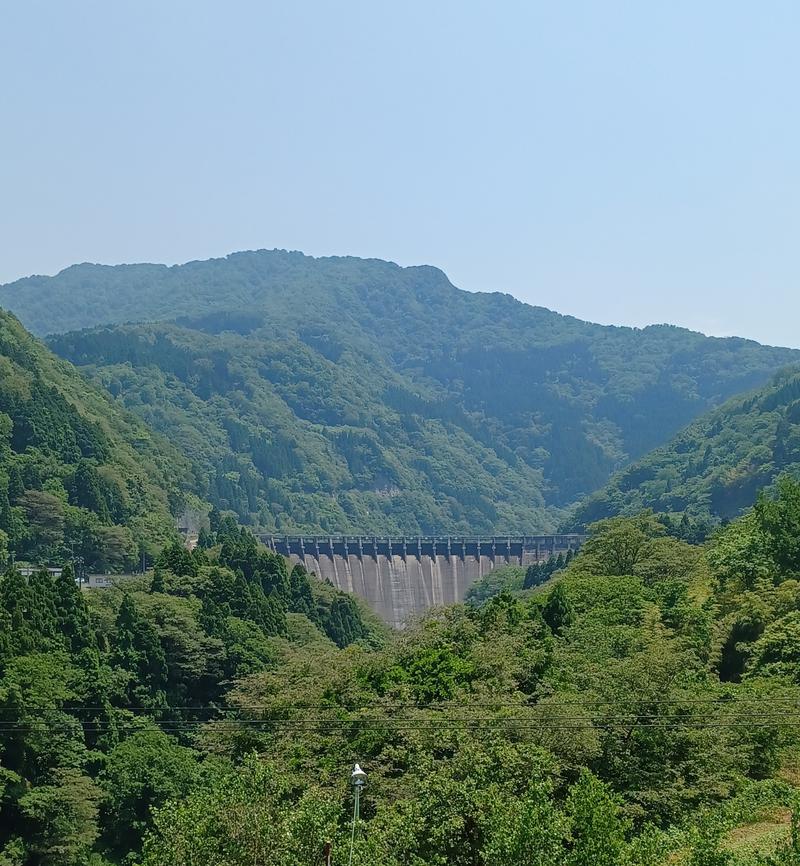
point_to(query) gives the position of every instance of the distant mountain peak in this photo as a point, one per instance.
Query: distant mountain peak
(300, 386)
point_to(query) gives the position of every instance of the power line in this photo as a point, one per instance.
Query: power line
(718, 701)
(551, 723)
(430, 719)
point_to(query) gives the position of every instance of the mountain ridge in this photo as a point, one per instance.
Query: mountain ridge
(713, 468)
(39, 281)
(346, 394)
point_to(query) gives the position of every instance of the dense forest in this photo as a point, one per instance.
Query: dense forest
(638, 707)
(635, 704)
(354, 395)
(292, 441)
(712, 470)
(78, 475)
(102, 692)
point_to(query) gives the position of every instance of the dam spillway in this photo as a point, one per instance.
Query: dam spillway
(403, 577)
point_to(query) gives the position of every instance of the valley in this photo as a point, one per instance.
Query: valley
(399, 434)
(539, 578)
(320, 395)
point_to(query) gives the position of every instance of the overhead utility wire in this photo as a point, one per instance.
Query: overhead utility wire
(424, 723)
(542, 702)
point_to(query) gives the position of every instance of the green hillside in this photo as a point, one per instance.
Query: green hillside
(714, 468)
(84, 674)
(345, 394)
(78, 475)
(291, 440)
(640, 710)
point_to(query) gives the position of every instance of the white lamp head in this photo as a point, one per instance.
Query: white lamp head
(359, 777)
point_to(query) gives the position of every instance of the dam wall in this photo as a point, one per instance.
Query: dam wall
(402, 577)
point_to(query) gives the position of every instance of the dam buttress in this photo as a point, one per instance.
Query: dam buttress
(402, 577)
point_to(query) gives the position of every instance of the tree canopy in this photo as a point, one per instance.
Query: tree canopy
(78, 475)
(713, 470)
(349, 395)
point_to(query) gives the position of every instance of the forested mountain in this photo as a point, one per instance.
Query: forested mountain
(355, 395)
(291, 440)
(77, 473)
(640, 711)
(713, 469)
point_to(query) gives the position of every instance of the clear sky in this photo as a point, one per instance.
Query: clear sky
(625, 162)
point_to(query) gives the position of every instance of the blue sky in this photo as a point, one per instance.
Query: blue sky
(625, 162)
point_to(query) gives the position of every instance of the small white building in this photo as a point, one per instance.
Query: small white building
(28, 570)
(104, 581)
(97, 581)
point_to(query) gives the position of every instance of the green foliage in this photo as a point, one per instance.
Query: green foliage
(778, 517)
(61, 819)
(597, 829)
(302, 599)
(789, 853)
(138, 651)
(714, 469)
(617, 545)
(72, 616)
(540, 572)
(741, 554)
(492, 738)
(525, 831)
(753, 560)
(240, 818)
(507, 578)
(143, 772)
(557, 611)
(78, 476)
(100, 690)
(342, 621)
(433, 674)
(349, 412)
(177, 559)
(638, 711)
(777, 651)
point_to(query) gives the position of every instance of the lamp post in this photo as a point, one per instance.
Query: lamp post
(358, 779)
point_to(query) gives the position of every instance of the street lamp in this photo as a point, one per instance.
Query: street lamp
(358, 778)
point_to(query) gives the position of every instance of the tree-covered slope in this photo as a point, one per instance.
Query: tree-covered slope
(291, 440)
(85, 674)
(714, 468)
(77, 473)
(356, 395)
(640, 710)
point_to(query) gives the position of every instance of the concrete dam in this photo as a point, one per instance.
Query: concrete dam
(402, 577)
